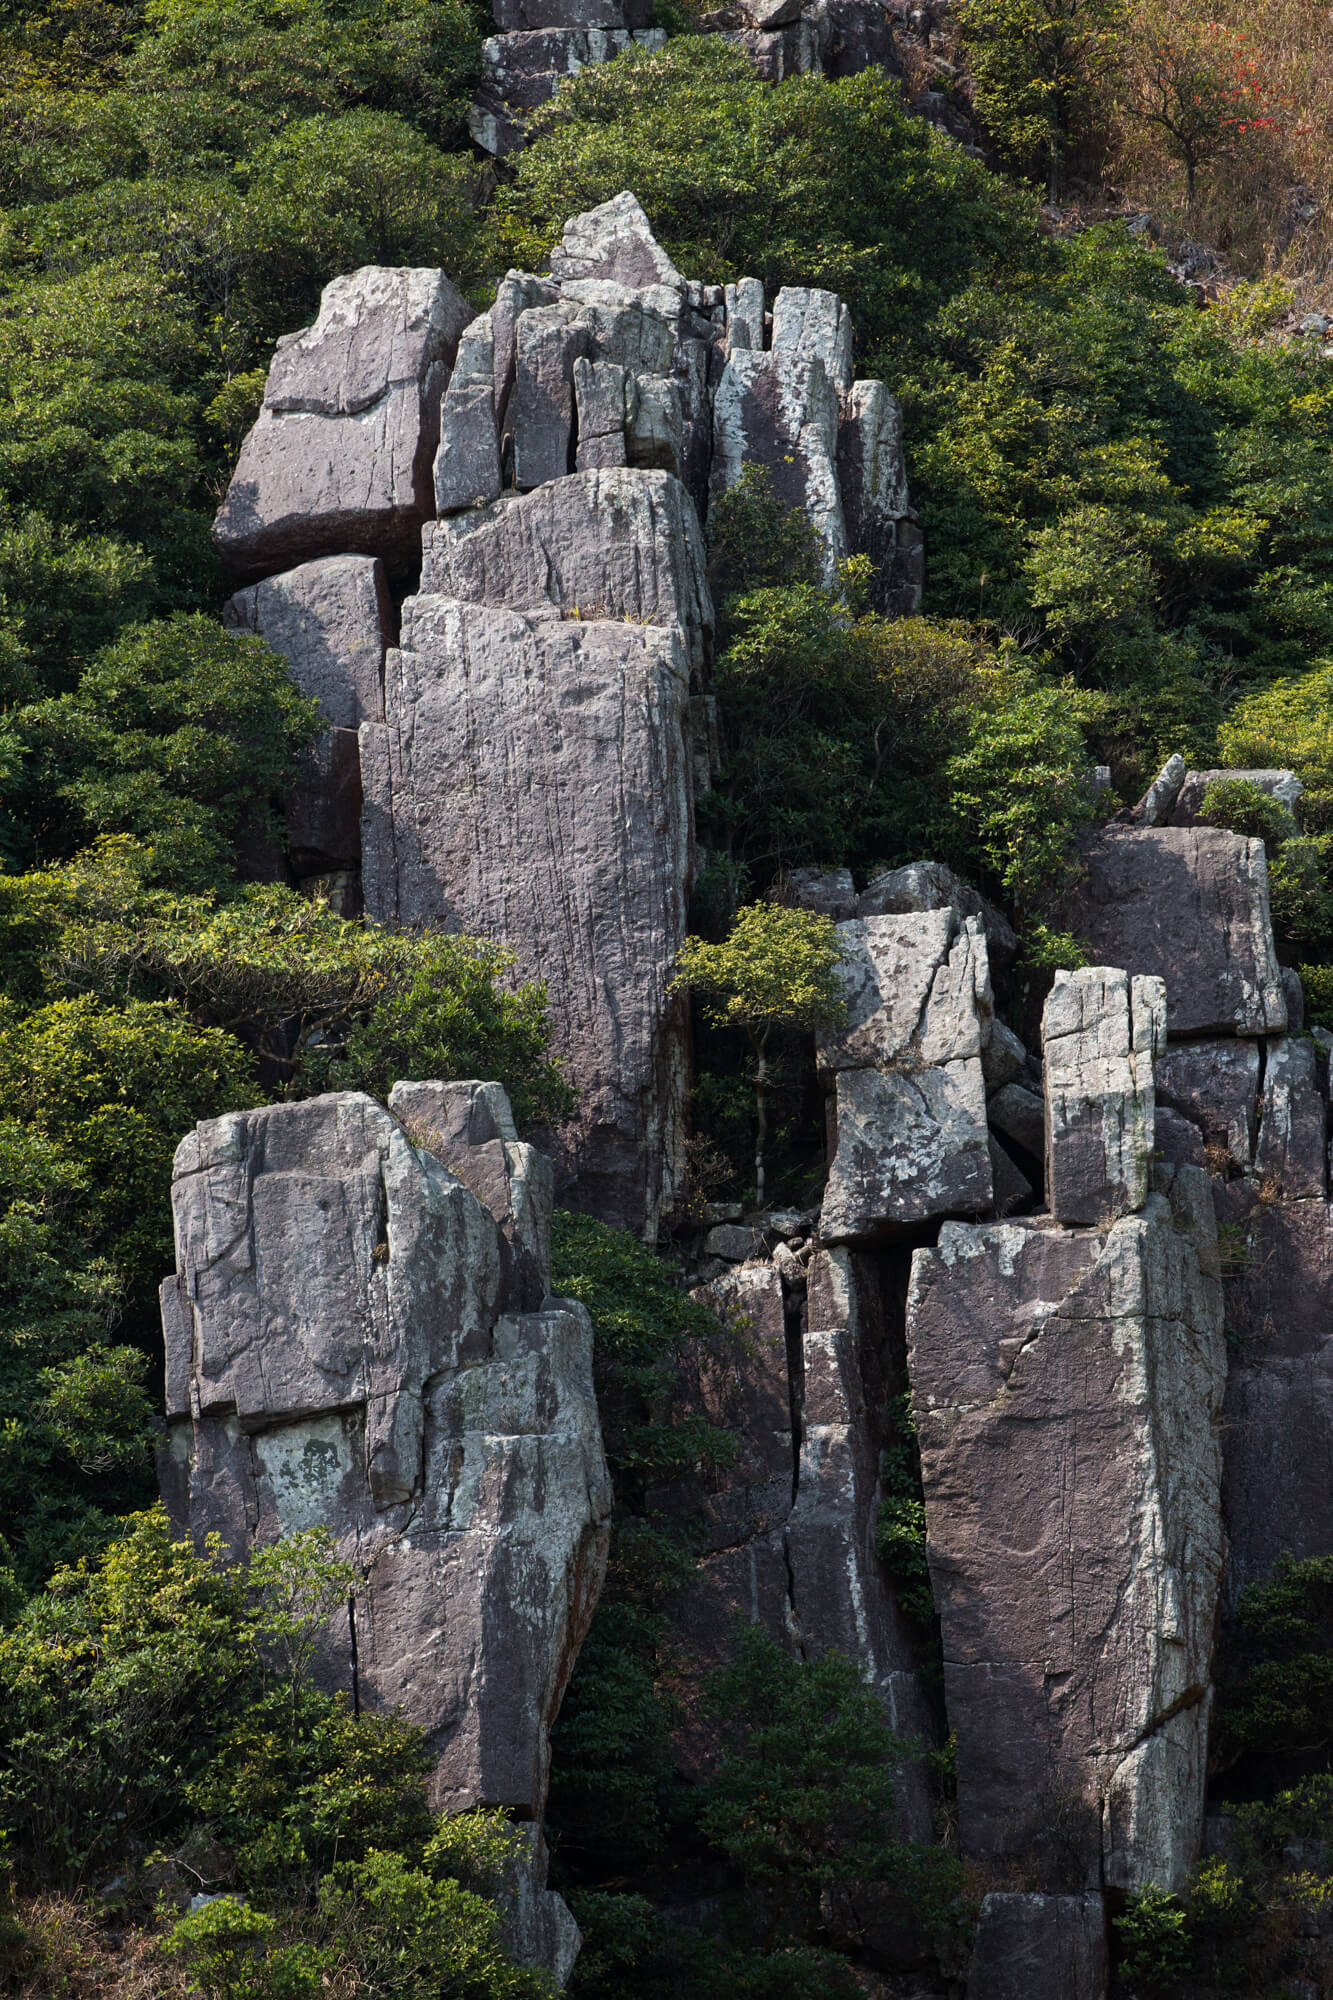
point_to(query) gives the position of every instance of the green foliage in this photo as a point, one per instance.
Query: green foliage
(180, 734)
(640, 1316)
(755, 542)
(777, 968)
(1239, 803)
(1288, 724)
(1278, 1697)
(227, 1951)
(900, 1534)
(1033, 66)
(1154, 1946)
(406, 1935)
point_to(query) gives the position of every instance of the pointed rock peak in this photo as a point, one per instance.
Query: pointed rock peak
(616, 242)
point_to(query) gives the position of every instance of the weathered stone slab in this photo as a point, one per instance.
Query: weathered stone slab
(615, 242)
(1033, 1947)
(1100, 1033)
(910, 1144)
(918, 992)
(613, 544)
(337, 1355)
(829, 891)
(340, 458)
(331, 621)
(931, 885)
(744, 308)
(530, 785)
(1067, 1389)
(811, 325)
(467, 464)
(1189, 904)
(525, 69)
(1292, 1150)
(1278, 1433)
(1021, 1115)
(1215, 1085)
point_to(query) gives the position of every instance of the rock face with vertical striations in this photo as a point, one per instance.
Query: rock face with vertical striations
(343, 1349)
(1067, 1386)
(340, 459)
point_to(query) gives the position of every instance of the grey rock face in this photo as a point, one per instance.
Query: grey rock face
(910, 1111)
(1021, 1115)
(1189, 904)
(917, 988)
(780, 410)
(1278, 1438)
(524, 69)
(496, 805)
(614, 242)
(1215, 1085)
(829, 891)
(331, 621)
(909, 1146)
(1100, 1032)
(788, 1527)
(1033, 1947)
(872, 474)
(1067, 1387)
(338, 1353)
(1154, 808)
(1292, 1152)
(930, 885)
(340, 458)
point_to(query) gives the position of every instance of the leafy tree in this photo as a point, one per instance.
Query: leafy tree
(406, 1935)
(1200, 83)
(777, 969)
(228, 1951)
(180, 733)
(1034, 66)
(299, 1582)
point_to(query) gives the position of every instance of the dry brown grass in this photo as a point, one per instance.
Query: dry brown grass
(1268, 206)
(66, 1954)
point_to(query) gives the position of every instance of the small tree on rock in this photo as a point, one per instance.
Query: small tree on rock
(776, 968)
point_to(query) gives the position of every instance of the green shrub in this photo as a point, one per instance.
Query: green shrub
(409, 1937)
(227, 1950)
(1155, 1952)
(1238, 803)
(900, 1535)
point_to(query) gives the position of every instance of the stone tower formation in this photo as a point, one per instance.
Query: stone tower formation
(477, 540)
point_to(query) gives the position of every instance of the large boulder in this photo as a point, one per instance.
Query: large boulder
(1190, 905)
(523, 69)
(340, 459)
(331, 621)
(338, 1354)
(530, 785)
(1034, 1947)
(1215, 1084)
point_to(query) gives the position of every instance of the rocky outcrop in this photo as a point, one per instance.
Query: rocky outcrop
(1067, 1386)
(523, 70)
(1189, 905)
(909, 1100)
(340, 459)
(349, 1343)
(528, 752)
(1034, 1947)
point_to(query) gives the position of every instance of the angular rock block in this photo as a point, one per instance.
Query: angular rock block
(1278, 1435)
(829, 891)
(340, 458)
(1033, 1947)
(467, 464)
(337, 1354)
(470, 1126)
(1100, 1033)
(917, 990)
(814, 325)
(612, 544)
(1190, 905)
(1067, 1388)
(530, 785)
(1216, 1086)
(331, 620)
(873, 477)
(910, 1144)
(930, 885)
